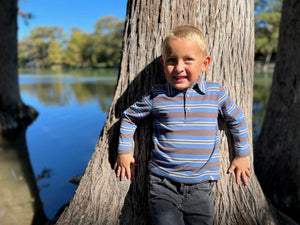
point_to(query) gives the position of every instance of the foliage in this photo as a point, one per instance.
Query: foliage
(79, 50)
(108, 37)
(34, 49)
(50, 47)
(267, 20)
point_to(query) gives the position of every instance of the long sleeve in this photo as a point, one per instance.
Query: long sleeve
(130, 118)
(236, 121)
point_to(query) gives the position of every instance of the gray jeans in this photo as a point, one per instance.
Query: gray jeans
(180, 204)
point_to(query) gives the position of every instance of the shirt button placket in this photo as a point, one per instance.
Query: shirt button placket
(188, 108)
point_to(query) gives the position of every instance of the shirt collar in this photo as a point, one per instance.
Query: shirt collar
(200, 84)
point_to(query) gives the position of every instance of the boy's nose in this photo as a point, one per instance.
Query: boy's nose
(179, 67)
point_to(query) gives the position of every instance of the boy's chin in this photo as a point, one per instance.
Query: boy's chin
(181, 87)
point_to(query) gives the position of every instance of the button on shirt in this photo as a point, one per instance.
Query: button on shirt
(185, 130)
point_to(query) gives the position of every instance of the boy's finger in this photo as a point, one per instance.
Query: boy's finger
(238, 177)
(244, 179)
(118, 171)
(231, 169)
(122, 174)
(128, 173)
(248, 174)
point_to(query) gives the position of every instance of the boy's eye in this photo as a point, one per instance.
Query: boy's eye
(171, 60)
(189, 59)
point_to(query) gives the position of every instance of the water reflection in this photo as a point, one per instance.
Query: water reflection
(20, 202)
(52, 89)
(35, 175)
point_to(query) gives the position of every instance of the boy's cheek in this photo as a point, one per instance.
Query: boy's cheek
(168, 70)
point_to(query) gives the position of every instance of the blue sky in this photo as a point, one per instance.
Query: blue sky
(82, 14)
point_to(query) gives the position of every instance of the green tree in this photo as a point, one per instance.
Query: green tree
(108, 40)
(267, 19)
(48, 46)
(79, 50)
(34, 48)
(55, 54)
(24, 56)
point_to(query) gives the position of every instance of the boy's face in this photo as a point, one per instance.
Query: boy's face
(183, 62)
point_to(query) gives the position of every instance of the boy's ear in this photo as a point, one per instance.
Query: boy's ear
(205, 63)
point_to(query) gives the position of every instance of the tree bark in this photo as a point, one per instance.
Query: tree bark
(229, 27)
(277, 149)
(12, 110)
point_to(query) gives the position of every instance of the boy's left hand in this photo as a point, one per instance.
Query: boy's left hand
(241, 168)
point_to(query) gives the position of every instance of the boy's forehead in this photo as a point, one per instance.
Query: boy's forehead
(174, 44)
(189, 46)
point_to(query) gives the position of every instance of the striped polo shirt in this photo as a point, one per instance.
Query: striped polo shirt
(185, 130)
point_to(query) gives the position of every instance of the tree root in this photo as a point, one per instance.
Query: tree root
(14, 119)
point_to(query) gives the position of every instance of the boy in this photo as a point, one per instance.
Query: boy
(185, 158)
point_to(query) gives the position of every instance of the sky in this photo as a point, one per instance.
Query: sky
(82, 14)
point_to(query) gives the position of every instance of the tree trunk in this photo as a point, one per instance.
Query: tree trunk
(12, 110)
(277, 154)
(229, 27)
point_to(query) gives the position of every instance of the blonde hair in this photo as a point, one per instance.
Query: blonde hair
(186, 32)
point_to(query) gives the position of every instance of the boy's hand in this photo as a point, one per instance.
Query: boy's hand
(241, 168)
(122, 166)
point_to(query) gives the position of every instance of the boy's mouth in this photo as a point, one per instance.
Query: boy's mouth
(180, 79)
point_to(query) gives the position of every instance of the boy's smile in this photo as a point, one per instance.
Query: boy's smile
(183, 62)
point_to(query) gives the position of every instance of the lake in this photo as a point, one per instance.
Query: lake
(37, 164)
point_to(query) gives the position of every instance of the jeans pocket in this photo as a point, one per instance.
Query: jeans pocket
(206, 185)
(154, 179)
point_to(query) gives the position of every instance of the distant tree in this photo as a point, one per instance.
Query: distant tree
(49, 46)
(13, 112)
(24, 53)
(34, 48)
(79, 49)
(108, 40)
(55, 54)
(267, 19)
(277, 155)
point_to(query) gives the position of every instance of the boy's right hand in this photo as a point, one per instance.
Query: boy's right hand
(122, 166)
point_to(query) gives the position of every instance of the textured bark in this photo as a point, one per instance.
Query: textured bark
(12, 110)
(277, 154)
(229, 28)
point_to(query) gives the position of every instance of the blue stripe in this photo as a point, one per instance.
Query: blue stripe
(211, 92)
(183, 145)
(240, 135)
(196, 137)
(238, 129)
(161, 155)
(190, 120)
(178, 127)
